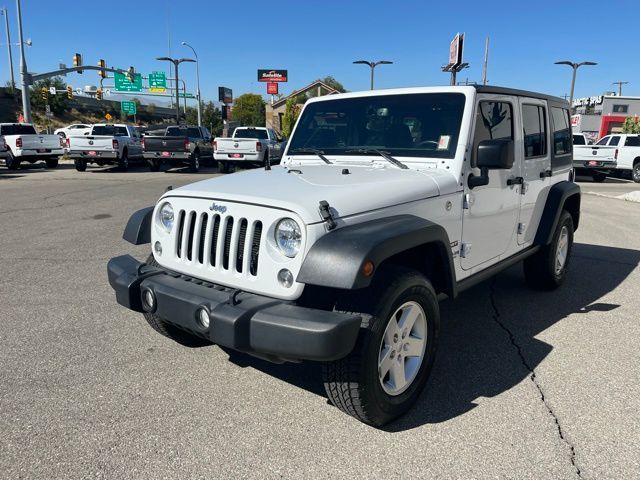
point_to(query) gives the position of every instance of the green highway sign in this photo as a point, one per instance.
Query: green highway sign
(188, 95)
(129, 107)
(157, 82)
(124, 85)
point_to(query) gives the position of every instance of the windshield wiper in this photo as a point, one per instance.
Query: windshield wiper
(382, 153)
(315, 151)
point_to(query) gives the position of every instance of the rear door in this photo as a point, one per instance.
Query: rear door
(536, 165)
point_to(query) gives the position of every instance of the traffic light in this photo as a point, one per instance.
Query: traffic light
(77, 61)
(69, 92)
(131, 74)
(102, 73)
(99, 94)
(44, 92)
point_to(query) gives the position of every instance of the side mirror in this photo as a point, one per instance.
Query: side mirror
(492, 154)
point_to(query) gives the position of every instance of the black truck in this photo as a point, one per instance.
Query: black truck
(184, 145)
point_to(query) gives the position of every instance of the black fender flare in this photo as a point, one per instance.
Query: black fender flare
(559, 195)
(138, 229)
(336, 260)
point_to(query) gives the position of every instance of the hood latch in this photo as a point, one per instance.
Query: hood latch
(325, 213)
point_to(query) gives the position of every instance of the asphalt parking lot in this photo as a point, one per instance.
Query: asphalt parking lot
(525, 384)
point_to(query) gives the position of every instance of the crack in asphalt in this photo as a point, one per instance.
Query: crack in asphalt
(533, 378)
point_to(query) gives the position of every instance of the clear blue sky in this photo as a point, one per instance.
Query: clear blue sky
(313, 39)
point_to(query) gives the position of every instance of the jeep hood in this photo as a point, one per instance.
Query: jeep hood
(300, 189)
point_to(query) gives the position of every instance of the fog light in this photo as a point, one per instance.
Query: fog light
(202, 316)
(157, 247)
(285, 277)
(148, 300)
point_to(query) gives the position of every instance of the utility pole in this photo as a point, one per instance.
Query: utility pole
(486, 61)
(24, 74)
(6, 23)
(619, 83)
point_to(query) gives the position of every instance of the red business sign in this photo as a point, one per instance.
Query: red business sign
(272, 88)
(272, 76)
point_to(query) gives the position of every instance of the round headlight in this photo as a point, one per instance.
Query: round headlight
(166, 216)
(288, 237)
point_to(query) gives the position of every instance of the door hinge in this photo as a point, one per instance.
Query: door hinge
(465, 250)
(466, 201)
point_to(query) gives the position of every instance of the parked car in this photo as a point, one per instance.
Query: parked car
(106, 144)
(249, 146)
(615, 154)
(74, 130)
(385, 201)
(26, 145)
(182, 145)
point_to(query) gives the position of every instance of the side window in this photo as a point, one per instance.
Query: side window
(494, 120)
(632, 142)
(615, 140)
(603, 140)
(561, 131)
(535, 130)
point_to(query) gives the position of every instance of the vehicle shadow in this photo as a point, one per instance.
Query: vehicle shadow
(475, 356)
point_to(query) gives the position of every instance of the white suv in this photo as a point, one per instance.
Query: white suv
(385, 202)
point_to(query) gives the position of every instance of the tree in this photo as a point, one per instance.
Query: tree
(291, 113)
(249, 109)
(631, 125)
(58, 103)
(211, 118)
(333, 83)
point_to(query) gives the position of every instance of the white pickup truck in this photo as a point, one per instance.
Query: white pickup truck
(253, 146)
(24, 144)
(106, 144)
(615, 154)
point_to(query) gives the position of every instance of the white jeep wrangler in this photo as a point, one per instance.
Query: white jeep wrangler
(385, 202)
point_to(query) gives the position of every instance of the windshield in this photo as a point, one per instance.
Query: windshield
(109, 130)
(250, 133)
(415, 125)
(18, 130)
(578, 140)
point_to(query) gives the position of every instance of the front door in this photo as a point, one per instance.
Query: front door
(535, 166)
(491, 211)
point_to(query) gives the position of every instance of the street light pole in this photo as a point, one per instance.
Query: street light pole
(24, 74)
(6, 23)
(373, 65)
(197, 80)
(176, 62)
(575, 67)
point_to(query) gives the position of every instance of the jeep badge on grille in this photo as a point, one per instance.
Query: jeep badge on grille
(217, 208)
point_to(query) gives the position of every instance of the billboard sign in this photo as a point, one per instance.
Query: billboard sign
(455, 50)
(272, 76)
(225, 95)
(272, 88)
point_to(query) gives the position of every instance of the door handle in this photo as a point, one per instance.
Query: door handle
(515, 181)
(546, 173)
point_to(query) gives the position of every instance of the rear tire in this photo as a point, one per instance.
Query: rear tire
(635, 171)
(52, 162)
(194, 166)
(168, 330)
(598, 177)
(123, 162)
(358, 383)
(547, 269)
(81, 165)
(12, 162)
(223, 167)
(154, 165)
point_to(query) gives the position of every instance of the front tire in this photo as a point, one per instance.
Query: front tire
(389, 366)
(52, 162)
(635, 172)
(547, 269)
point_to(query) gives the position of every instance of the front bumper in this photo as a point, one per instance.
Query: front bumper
(262, 326)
